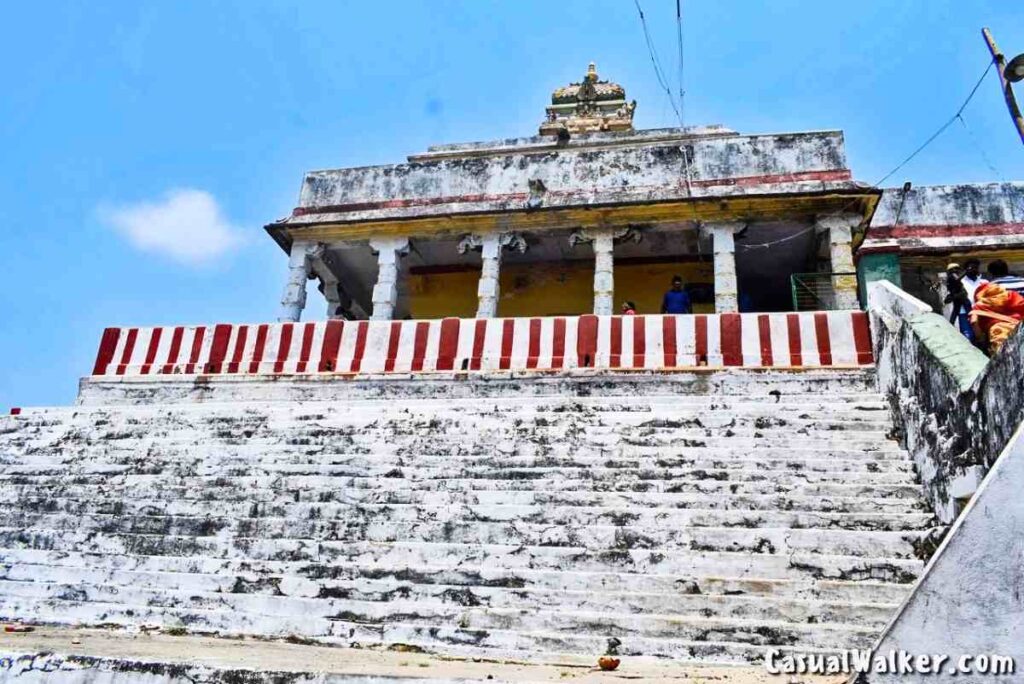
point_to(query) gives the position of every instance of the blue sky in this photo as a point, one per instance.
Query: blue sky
(216, 109)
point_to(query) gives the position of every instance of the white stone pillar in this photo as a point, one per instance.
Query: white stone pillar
(603, 240)
(293, 300)
(723, 247)
(385, 292)
(604, 273)
(491, 247)
(840, 250)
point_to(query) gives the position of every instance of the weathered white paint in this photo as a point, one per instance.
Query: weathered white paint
(293, 299)
(500, 526)
(969, 599)
(385, 291)
(723, 247)
(955, 409)
(948, 218)
(593, 168)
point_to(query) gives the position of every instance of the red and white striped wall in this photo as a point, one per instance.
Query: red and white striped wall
(767, 340)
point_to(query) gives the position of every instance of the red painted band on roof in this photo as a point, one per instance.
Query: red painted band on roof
(945, 230)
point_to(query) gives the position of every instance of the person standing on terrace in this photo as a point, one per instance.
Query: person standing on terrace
(676, 300)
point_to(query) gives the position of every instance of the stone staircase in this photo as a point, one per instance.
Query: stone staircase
(707, 524)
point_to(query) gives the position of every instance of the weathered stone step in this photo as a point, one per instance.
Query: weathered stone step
(718, 562)
(338, 476)
(480, 528)
(446, 603)
(346, 490)
(180, 501)
(492, 629)
(312, 580)
(24, 513)
(458, 641)
(483, 449)
(204, 461)
(474, 443)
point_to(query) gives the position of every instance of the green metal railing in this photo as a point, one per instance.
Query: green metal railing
(816, 291)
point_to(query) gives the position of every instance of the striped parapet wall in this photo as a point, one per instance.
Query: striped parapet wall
(767, 340)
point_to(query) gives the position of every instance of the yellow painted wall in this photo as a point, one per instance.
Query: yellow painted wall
(551, 288)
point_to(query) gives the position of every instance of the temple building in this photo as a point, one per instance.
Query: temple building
(592, 212)
(589, 212)
(475, 463)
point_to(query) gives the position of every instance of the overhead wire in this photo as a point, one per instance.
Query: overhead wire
(957, 115)
(658, 71)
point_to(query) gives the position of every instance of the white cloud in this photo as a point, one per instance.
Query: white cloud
(186, 225)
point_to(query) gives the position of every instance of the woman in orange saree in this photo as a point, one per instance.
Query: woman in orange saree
(996, 314)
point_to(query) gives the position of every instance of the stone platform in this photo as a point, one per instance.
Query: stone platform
(694, 518)
(86, 655)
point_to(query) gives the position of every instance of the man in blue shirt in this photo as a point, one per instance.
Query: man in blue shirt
(676, 301)
(999, 272)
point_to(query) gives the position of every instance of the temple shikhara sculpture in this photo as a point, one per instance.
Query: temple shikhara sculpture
(448, 444)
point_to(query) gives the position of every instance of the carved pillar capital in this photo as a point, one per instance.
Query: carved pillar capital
(491, 246)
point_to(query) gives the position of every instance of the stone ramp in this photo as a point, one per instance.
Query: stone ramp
(52, 654)
(697, 527)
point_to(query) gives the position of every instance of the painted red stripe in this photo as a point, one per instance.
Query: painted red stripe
(236, 356)
(448, 344)
(700, 342)
(732, 342)
(257, 352)
(309, 329)
(329, 348)
(108, 343)
(197, 348)
(508, 331)
(764, 330)
(283, 347)
(154, 342)
(862, 338)
(357, 354)
(218, 348)
(479, 334)
(172, 353)
(394, 337)
(558, 344)
(533, 354)
(796, 357)
(639, 341)
(129, 347)
(668, 341)
(615, 348)
(419, 345)
(586, 340)
(824, 341)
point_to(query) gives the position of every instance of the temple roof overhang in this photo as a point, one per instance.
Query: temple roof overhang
(802, 206)
(653, 176)
(944, 219)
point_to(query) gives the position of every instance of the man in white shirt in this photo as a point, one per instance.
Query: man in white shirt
(972, 279)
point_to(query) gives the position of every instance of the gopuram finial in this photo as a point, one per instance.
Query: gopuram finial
(590, 105)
